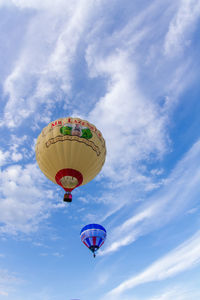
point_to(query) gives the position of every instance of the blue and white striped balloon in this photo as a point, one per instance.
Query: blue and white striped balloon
(93, 236)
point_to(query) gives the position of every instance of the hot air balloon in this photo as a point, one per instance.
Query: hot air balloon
(93, 236)
(70, 152)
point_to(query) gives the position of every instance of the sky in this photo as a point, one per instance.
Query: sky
(132, 68)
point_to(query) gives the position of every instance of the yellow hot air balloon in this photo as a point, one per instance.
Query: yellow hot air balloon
(70, 152)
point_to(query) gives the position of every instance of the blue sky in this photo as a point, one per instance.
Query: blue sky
(132, 69)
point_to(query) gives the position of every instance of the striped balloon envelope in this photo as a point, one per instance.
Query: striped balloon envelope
(93, 236)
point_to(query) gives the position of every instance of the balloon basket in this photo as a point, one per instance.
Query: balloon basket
(67, 197)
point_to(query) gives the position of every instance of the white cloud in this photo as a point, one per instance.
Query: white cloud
(37, 4)
(177, 37)
(16, 156)
(179, 191)
(4, 155)
(23, 202)
(126, 118)
(182, 258)
(42, 72)
(178, 293)
(16, 150)
(134, 123)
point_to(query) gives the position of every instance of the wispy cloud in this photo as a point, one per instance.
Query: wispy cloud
(129, 109)
(178, 191)
(178, 293)
(42, 72)
(128, 119)
(183, 23)
(41, 75)
(184, 257)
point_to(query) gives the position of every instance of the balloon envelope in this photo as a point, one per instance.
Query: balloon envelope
(70, 152)
(93, 236)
